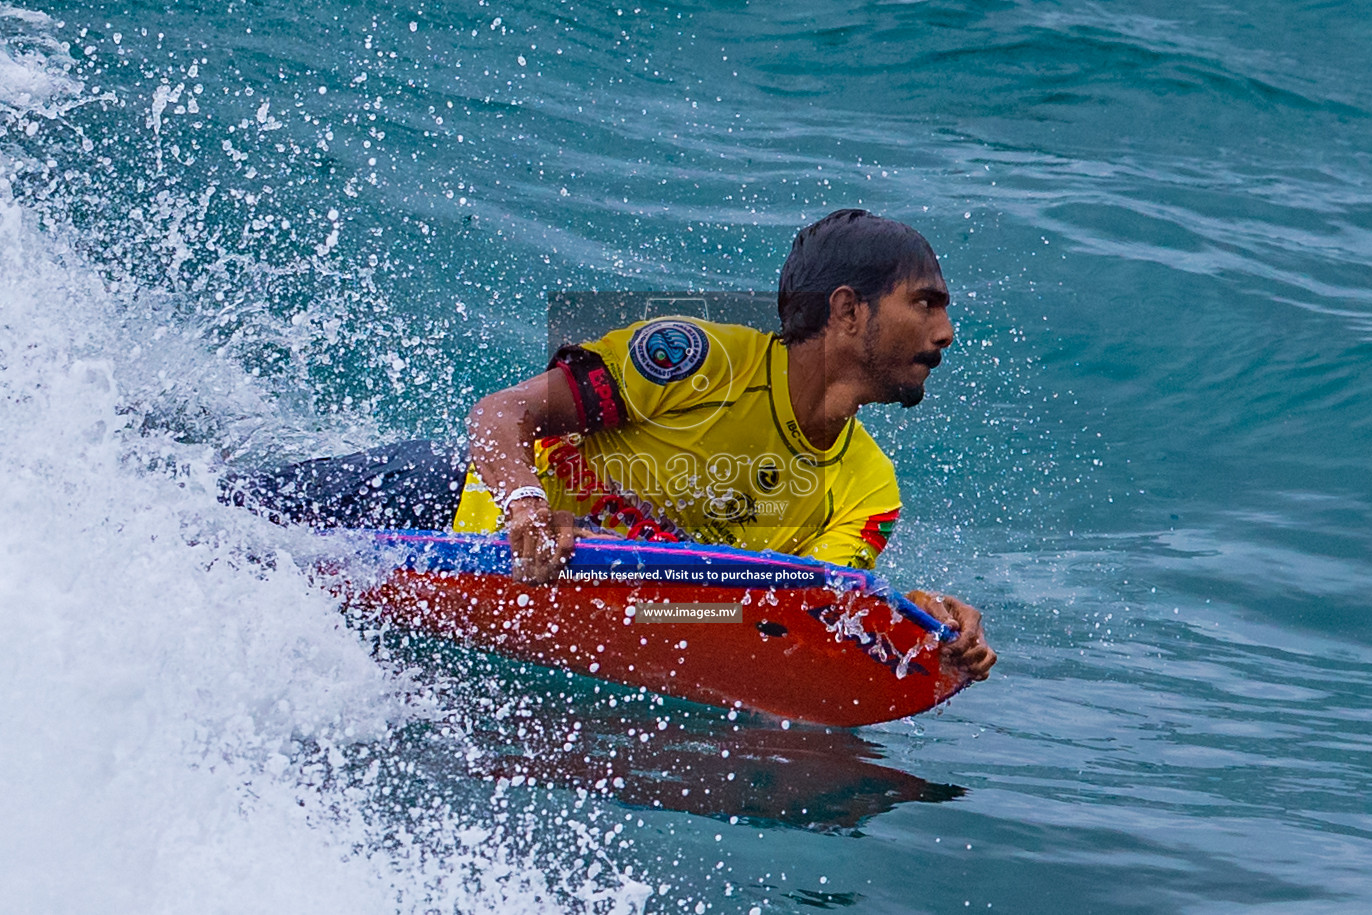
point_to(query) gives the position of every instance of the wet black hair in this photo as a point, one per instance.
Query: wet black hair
(846, 248)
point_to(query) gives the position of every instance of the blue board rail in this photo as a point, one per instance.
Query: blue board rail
(684, 563)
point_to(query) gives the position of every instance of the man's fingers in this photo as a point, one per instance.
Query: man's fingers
(566, 544)
(975, 655)
(533, 544)
(541, 542)
(933, 605)
(976, 660)
(969, 650)
(585, 533)
(529, 561)
(564, 532)
(965, 642)
(979, 664)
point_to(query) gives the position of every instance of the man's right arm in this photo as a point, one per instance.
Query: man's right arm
(503, 427)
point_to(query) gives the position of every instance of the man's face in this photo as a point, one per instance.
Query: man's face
(906, 335)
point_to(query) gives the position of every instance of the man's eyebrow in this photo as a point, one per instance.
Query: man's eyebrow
(936, 297)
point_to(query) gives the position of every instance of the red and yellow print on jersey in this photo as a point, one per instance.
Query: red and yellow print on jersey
(691, 435)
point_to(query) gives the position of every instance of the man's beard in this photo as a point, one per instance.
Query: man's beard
(907, 395)
(893, 391)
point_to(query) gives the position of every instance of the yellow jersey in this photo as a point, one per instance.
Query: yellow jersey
(691, 436)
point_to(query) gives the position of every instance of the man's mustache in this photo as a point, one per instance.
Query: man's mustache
(932, 358)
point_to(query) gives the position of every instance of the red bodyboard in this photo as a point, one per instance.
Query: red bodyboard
(837, 649)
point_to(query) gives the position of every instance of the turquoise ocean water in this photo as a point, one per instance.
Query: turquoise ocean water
(274, 230)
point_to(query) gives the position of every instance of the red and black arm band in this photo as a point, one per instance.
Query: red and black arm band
(598, 401)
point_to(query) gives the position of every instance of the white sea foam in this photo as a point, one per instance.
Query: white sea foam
(33, 77)
(155, 680)
(165, 658)
(150, 684)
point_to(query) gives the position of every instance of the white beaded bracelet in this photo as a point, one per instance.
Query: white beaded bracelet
(522, 492)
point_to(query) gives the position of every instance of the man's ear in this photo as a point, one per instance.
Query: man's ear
(846, 316)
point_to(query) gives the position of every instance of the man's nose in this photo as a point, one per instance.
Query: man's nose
(943, 331)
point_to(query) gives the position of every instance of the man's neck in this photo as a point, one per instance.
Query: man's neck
(824, 396)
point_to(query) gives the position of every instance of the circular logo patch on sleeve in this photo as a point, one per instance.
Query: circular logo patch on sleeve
(668, 350)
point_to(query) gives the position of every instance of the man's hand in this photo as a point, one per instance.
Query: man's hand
(541, 540)
(503, 428)
(969, 649)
